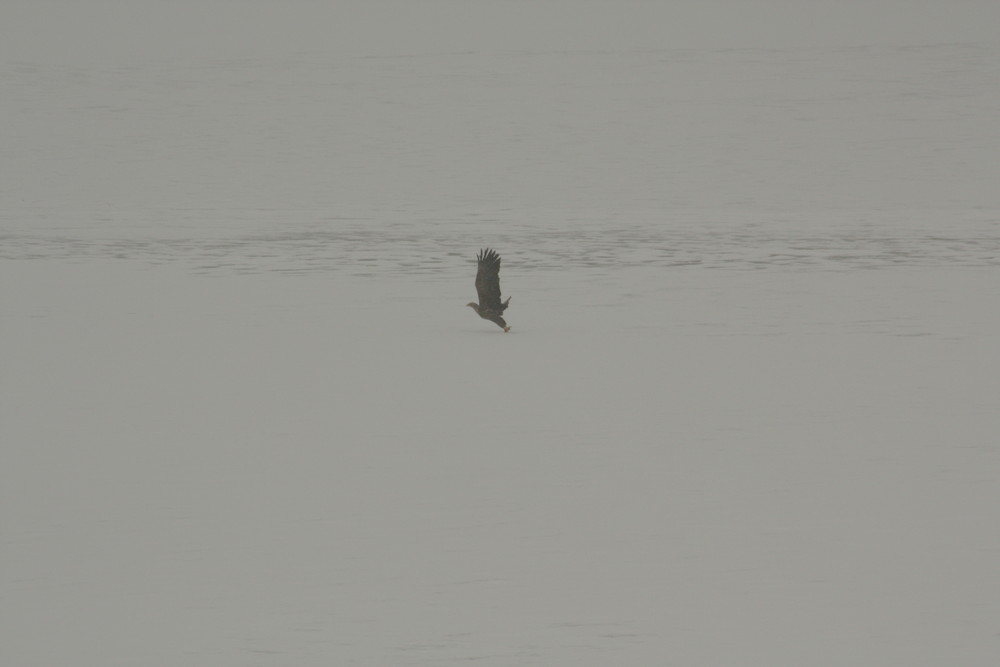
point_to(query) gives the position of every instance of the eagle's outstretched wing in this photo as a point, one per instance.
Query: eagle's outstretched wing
(488, 280)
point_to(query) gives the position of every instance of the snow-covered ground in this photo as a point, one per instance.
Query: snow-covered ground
(747, 414)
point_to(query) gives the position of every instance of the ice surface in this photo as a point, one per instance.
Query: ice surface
(747, 414)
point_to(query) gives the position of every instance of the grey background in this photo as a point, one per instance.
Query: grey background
(746, 415)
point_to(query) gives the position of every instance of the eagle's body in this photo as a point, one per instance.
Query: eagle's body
(488, 286)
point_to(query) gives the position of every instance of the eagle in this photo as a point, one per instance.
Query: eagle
(488, 286)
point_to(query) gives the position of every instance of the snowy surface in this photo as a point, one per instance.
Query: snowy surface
(747, 414)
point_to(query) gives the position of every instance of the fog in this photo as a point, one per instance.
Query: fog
(746, 413)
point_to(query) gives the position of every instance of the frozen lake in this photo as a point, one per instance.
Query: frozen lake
(747, 414)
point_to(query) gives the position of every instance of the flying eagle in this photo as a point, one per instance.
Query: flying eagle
(488, 286)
